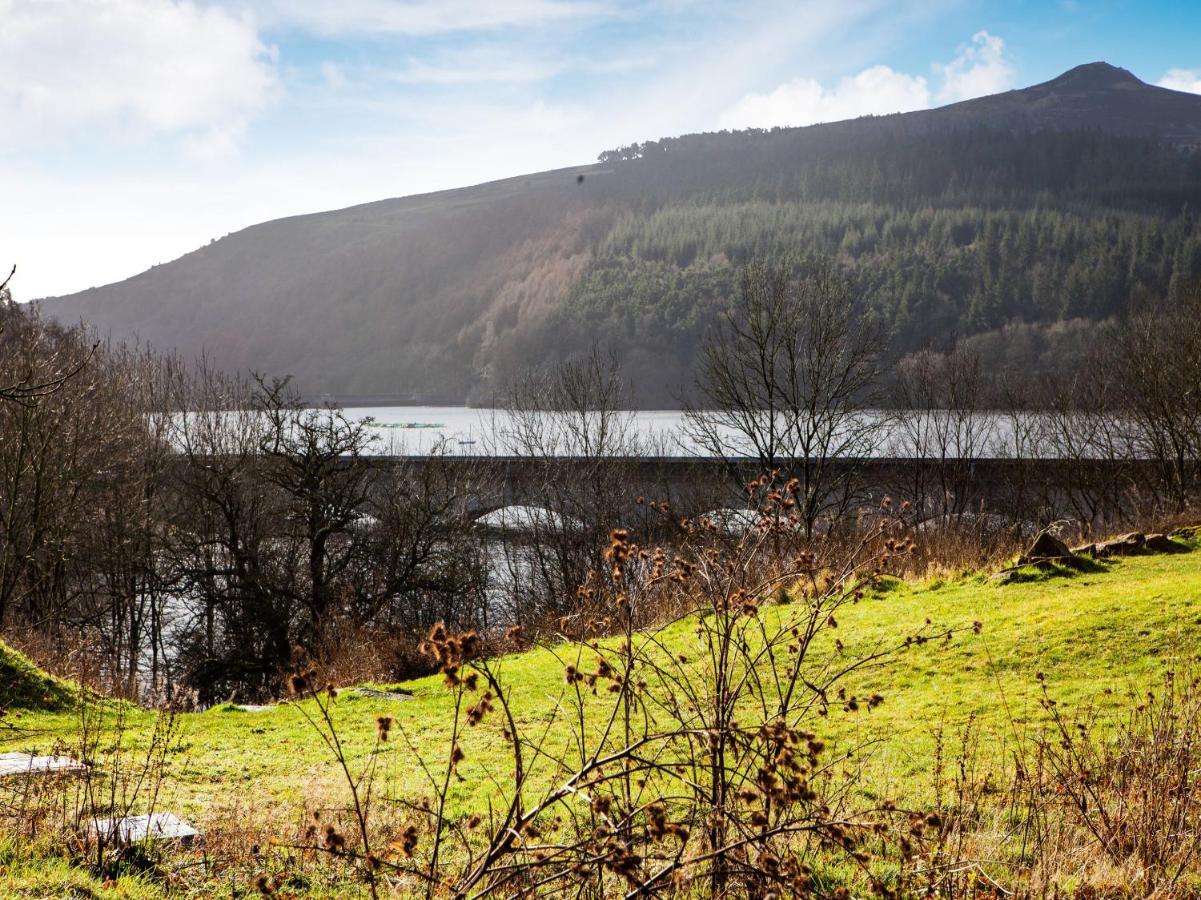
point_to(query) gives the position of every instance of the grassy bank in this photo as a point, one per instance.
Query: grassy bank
(245, 777)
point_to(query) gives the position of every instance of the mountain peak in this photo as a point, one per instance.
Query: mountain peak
(1094, 96)
(1095, 76)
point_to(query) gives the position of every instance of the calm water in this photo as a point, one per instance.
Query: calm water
(420, 430)
(458, 430)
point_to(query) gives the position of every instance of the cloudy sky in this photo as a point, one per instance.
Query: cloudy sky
(136, 130)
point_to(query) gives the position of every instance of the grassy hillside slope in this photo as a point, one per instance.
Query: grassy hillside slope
(26, 687)
(1115, 629)
(252, 778)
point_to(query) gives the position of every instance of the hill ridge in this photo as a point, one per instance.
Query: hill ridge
(440, 296)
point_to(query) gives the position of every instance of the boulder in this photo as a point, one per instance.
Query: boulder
(1125, 545)
(1161, 543)
(1085, 550)
(1049, 549)
(1047, 546)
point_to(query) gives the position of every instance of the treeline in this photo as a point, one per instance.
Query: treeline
(891, 162)
(927, 276)
(167, 530)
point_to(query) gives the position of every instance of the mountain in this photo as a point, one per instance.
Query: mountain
(1092, 96)
(1017, 218)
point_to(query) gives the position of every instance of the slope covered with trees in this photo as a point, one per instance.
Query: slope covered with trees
(1021, 217)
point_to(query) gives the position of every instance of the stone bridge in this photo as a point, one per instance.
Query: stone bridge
(695, 485)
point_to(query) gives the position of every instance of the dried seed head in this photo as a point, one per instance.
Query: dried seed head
(334, 842)
(383, 725)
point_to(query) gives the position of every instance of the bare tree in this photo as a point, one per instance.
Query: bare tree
(572, 431)
(421, 560)
(784, 381)
(315, 458)
(943, 429)
(28, 385)
(1087, 439)
(1156, 357)
(80, 462)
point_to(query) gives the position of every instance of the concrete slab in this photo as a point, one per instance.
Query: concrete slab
(158, 827)
(15, 765)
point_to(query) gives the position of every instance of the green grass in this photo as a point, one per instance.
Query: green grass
(1116, 629)
(24, 873)
(24, 686)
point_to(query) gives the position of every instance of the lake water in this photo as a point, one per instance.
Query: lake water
(459, 430)
(420, 430)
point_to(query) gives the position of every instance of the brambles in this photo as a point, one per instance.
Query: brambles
(700, 770)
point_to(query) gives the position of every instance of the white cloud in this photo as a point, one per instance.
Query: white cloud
(1188, 80)
(334, 75)
(421, 17)
(134, 66)
(803, 101)
(979, 69)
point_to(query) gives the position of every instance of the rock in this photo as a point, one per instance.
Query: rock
(20, 764)
(1085, 550)
(1047, 550)
(383, 695)
(1161, 543)
(157, 827)
(1047, 546)
(1187, 531)
(1125, 545)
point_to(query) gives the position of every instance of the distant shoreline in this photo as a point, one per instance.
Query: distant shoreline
(351, 401)
(360, 401)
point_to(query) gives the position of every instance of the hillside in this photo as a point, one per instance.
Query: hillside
(25, 686)
(1059, 203)
(1098, 636)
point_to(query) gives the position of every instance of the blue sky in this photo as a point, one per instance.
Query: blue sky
(137, 130)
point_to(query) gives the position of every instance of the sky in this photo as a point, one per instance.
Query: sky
(133, 131)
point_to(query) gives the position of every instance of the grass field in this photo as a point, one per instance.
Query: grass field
(1094, 635)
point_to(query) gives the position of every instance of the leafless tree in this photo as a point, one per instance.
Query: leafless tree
(942, 429)
(79, 466)
(29, 385)
(571, 428)
(784, 381)
(420, 559)
(315, 458)
(1087, 439)
(1156, 357)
